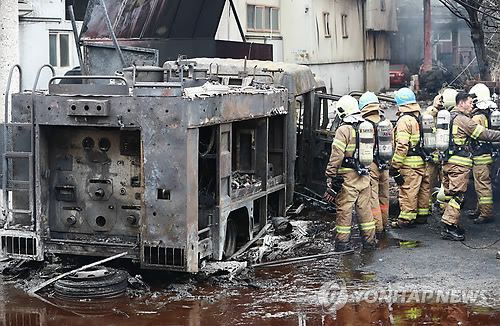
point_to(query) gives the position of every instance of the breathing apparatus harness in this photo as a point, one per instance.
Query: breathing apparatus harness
(381, 164)
(454, 148)
(353, 162)
(417, 150)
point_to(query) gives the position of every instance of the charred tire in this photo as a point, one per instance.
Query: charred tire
(231, 237)
(105, 283)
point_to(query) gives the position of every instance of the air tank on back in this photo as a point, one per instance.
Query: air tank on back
(443, 130)
(428, 134)
(495, 119)
(366, 137)
(384, 139)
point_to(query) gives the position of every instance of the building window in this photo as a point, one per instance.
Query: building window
(382, 5)
(344, 26)
(444, 36)
(262, 18)
(326, 23)
(59, 49)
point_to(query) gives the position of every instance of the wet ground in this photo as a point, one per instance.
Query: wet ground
(421, 270)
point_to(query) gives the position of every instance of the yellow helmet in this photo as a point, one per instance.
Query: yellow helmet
(449, 98)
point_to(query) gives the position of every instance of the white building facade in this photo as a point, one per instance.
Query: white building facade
(45, 37)
(345, 42)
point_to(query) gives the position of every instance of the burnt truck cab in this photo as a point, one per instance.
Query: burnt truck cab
(171, 171)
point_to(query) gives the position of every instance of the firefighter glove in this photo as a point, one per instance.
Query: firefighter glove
(398, 178)
(333, 186)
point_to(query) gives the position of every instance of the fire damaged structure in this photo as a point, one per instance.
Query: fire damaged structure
(171, 163)
(93, 170)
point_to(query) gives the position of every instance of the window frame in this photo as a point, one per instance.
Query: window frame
(343, 22)
(326, 24)
(57, 34)
(263, 28)
(382, 5)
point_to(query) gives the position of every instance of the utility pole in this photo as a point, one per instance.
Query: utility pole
(427, 66)
(9, 46)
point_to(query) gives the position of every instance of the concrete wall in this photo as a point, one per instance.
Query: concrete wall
(306, 42)
(381, 18)
(340, 78)
(377, 73)
(9, 50)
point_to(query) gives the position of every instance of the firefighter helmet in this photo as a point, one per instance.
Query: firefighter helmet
(367, 98)
(347, 106)
(480, 92)
(404, 96)
(449, 98)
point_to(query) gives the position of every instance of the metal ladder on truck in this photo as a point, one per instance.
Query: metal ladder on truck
(18, 233)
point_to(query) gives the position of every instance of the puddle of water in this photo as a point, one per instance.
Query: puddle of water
(387, 242)
(409, 243)
(235, 307)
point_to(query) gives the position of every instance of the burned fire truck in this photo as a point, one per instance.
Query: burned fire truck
(170, 174)
(170, 161)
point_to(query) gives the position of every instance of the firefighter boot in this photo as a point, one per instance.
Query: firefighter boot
(405, 224)
(483, 220)
(369, 246)
(452, 232)
(472, 213)
(342, 246)
(421, 219)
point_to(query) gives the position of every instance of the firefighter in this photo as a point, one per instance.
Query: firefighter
(348, 181)
(482, 159)
(449, 97)
(432, 168)
(379, 168)
(459, 162)
(408, 165)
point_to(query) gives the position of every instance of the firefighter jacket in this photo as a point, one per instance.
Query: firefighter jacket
(463, 130)
(343, 146)
(407, 143)
(481, 150)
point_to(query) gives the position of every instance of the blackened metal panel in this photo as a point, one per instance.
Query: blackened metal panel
(197, 19)
(103, 59)
(154, 18)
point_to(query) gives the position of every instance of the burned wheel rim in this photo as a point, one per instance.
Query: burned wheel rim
(100, 282)
(231, 235)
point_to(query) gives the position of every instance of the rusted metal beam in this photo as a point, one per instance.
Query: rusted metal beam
(302, 259)
(427, 66)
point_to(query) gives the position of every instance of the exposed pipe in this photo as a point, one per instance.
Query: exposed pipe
(112, 33)
(365, 69)
(238, 21)
(76, 37)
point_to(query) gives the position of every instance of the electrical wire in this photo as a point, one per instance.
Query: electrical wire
(485, 247)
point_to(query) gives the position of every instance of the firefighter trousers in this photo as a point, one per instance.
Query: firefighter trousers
(414, 194)
(355, 193)
(455, 181)
(379, 184)
(482, 184)
(432, 170)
